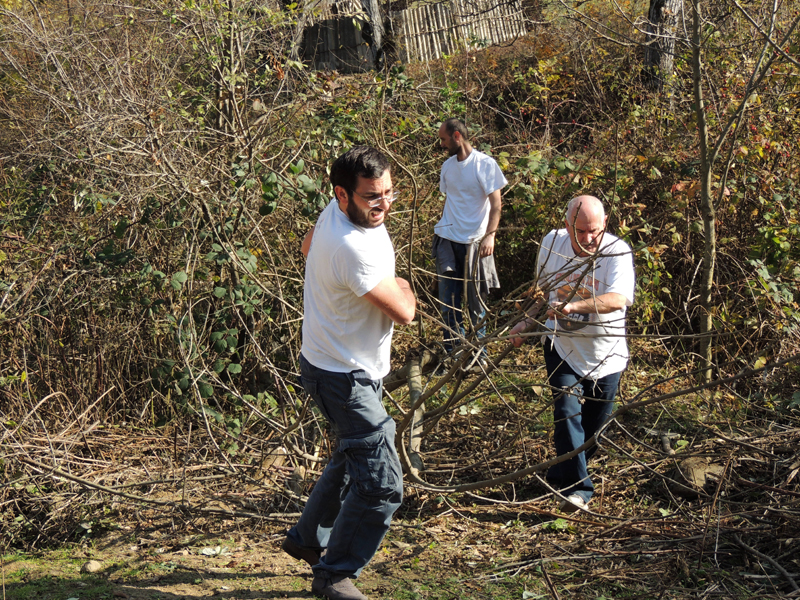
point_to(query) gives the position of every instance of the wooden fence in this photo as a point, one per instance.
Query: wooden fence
(425, 32)
(429, 31)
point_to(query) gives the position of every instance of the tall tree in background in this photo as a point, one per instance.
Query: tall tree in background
(659, 53)
(374, 33)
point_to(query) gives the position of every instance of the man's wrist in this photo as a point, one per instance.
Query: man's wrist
(575, 307)
(525, 323)
(566, 309)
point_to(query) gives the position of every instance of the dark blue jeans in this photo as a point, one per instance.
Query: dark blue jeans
(451, 285)
(352, 503)
(575, 422)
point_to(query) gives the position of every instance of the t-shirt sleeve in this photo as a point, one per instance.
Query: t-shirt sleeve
(620, 277)
(491, 176)
(360, 272)
(442, 184)
(545, 257)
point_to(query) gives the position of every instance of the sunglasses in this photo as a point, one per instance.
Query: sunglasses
(375, 201)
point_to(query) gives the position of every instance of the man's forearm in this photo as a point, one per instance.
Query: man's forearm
(306, 245)
(600, 305)
(408, 293)
(393, 296)
(495, 210)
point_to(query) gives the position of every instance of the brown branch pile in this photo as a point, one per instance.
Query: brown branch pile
(717, 505)
(722, 516)
(68, 484)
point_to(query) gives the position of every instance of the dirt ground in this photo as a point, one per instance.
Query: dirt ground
(154, 564)
(717, 517)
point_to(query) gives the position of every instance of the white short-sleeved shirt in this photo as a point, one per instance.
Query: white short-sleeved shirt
(593, 345)
(466, 186)
(342, 330)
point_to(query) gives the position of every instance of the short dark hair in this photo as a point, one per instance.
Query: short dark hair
(359, 161)
(452, 125)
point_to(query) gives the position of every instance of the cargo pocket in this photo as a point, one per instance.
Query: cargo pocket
(371, 464)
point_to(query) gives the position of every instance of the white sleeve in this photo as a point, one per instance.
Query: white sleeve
(621, 275)
(546, 255)
(358, 271)
(491, 176)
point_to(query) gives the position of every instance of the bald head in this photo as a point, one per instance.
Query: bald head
(586, 223)
(588, 205)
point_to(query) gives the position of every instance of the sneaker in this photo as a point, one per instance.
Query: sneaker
(477, 367)
(309, 555)
(572, 503)
(335, 587)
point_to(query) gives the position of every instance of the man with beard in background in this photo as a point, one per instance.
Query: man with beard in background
(471, 182)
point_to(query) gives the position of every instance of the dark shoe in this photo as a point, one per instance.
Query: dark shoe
(335, 587)
(442, 369)
(309, 555)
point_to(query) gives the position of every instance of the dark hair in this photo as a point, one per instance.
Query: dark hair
(453, 125)
(359, 161)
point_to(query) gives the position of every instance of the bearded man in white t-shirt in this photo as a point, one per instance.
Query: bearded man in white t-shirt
(588, 281)
(471, 182)
(351, 301)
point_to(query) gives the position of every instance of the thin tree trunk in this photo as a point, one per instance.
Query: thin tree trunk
(706, 200)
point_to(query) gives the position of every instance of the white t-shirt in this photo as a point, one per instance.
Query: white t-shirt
(342, 330)
(593, 345)
(466, 186)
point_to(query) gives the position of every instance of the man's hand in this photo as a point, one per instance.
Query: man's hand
(519, 328)
(487, 246)
(555, 312)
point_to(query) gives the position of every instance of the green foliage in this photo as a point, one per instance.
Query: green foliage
(557, 526)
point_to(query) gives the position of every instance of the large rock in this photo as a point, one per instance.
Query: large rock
(694, 475)
(93, 566)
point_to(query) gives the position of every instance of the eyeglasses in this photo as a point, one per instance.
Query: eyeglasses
(376, 200)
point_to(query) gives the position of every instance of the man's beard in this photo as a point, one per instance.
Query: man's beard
(358, 217)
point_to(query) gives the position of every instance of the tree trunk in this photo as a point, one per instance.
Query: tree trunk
(373, 33)
(659, 52)
(706, 199)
